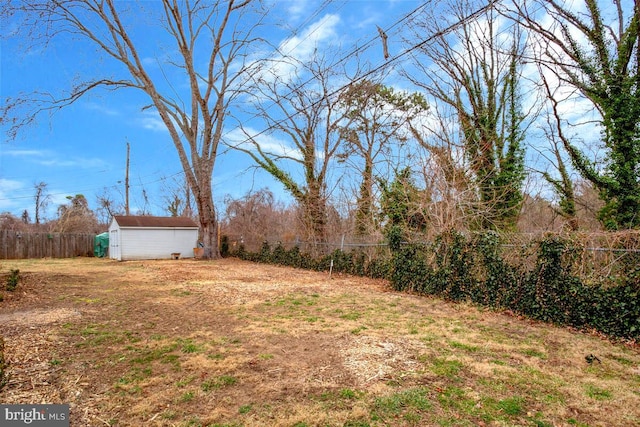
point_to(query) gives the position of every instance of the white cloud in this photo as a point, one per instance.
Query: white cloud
(79, 162)
(268, 144)
(57, 198)
(101, 108)
(52, 159)
(296, 9)
(16, 196)
(301, 48)
(293, 10)
(9, 191)
(151, 120)
(25, 153)
(150, 61)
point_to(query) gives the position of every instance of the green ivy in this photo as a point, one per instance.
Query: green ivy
(12, 280)
(460, 268)
(552, 292)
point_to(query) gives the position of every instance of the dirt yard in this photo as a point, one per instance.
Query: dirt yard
(231, 343)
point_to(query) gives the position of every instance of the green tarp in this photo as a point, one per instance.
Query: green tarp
(101, 245)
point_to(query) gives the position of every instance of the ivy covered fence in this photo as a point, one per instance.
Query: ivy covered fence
(545, 280)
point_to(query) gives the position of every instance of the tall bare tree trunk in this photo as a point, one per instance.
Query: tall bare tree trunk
(308, 119)
(207, 219)
(315, 216)
(204, 45)
(364, 212)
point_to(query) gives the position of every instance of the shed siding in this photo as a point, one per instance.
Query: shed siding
(155, 243)
(114, 242)
(151, 237)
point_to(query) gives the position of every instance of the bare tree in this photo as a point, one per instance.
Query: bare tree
(211, 39)
(307, 116)
(378, 118)
(593, 48)
(12, 223)
(25, 217)
(177, 197)
(449, 199)
(472, 66)
(562, 184)
(538, 215)
(76, 217)
(588, 205)
(41, 200)
(257, 217)
(107, 207)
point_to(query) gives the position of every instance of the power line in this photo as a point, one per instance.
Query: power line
(380, 67)
(356, 50)
(308, 20)
(350, 54)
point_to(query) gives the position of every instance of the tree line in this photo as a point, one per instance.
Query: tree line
(449, 133)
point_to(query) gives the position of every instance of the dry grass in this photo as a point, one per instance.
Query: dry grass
(230, 343)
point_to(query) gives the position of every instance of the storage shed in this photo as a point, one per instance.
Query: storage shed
(151, 237)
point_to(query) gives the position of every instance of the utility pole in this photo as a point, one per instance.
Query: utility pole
(126, 184)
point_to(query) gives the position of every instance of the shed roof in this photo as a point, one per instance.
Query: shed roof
(154, 221)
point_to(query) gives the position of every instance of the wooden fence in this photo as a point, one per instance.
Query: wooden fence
(20, 245)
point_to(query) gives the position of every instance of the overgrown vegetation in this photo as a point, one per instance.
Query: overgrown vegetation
(607, 76)
(12, 280)
(353, 262)
(460, 268)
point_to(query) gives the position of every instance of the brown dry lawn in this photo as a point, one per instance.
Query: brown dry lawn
(232, 343)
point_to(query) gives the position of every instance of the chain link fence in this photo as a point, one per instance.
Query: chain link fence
(594, 257)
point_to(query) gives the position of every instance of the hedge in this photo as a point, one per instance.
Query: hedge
(459, 268)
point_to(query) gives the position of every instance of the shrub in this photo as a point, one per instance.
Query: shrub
(265, 253)
(379, 268)
(279, 255)
(458, 268)
(495, 279)
(615, 311)
(409, 270)
(224, 246)
(12, 280)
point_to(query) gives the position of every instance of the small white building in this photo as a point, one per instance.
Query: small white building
(151, 237)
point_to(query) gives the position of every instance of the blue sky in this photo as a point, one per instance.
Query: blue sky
(81, 149)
